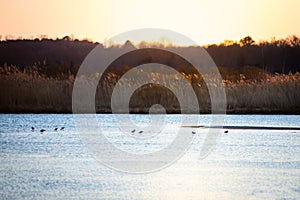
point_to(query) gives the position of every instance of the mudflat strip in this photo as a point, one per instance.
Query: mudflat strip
(248, 127)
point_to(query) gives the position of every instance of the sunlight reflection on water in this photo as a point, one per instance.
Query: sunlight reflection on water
(246, 164)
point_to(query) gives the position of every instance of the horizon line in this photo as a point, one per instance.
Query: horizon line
(111, 43)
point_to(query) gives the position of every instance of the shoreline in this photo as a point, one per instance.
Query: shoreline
(236, 112)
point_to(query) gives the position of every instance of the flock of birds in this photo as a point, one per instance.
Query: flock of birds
(43, 130)
(133, 131)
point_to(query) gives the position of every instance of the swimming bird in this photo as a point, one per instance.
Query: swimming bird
(55, 129)
(32, 128)
(42, 130)
(133, 131)
(193, 132)
(140, 131)
(226, 131)
(62, 128)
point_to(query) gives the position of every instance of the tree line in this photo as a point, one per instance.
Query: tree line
(64, 56)
(281, 56)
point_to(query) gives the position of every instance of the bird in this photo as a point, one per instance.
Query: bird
(42, 130)
(55, 129)
(193, 132)
(140, 131)
(62, 128)
(32, 128)
(226, 131)
(133, 131)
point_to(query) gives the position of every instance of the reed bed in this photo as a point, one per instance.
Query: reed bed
(29, 91)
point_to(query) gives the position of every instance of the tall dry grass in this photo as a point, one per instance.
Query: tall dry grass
(30, 92)
(248, 91)
(277, 93)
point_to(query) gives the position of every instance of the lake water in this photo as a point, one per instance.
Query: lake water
(245, 164)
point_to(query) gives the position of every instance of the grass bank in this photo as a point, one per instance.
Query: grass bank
(248, 90)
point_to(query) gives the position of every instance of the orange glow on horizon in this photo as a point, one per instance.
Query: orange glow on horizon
(204, 21)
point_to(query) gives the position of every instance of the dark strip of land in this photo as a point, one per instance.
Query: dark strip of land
(248, 127)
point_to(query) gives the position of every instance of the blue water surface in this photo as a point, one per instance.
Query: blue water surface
(245, 164)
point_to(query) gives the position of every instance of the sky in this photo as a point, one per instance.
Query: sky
(204, 21)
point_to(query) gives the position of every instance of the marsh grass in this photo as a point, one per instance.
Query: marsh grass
(248, 90)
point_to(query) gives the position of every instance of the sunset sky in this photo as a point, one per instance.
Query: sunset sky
(205, 21)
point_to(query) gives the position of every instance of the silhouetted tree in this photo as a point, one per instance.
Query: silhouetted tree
(294, 41)
(246, 41)
(279, 56)
(66, 38)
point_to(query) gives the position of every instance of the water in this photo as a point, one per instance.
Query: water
(245, 164)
